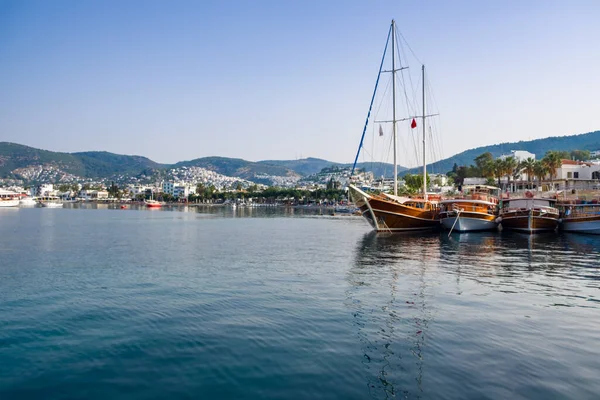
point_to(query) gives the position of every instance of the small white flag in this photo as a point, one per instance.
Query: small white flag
(380, 131)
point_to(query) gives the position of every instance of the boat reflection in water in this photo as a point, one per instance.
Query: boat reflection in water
(432, 312)
(389, 298)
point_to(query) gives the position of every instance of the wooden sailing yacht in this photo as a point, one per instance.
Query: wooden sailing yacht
(386, 212)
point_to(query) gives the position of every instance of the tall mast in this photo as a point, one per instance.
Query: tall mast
(424, 148)
(394, 104)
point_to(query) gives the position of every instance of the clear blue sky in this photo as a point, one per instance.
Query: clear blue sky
(177, 80)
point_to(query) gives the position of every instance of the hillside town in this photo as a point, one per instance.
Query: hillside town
(514, 171)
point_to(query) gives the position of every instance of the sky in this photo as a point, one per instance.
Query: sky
(259, 80)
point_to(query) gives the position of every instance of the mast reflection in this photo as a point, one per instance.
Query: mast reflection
(389, 297)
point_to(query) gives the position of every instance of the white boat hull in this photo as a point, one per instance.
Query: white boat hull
(9, 203)
(52, 205)
(465, 224)
(592, 227)
(27, 203)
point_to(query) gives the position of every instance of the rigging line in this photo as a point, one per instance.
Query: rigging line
(403, 73)
(407, 45)
(412, 86)
(372, 98)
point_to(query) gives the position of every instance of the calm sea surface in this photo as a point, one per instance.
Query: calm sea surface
(103, 303)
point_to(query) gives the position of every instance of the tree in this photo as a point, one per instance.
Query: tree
(540, 171)
(553, 161)
(580, 155)
(484, 163)
(64, 188)
(113, 190)
(498, 168)
(528, 167)
(414, 182)
(509, 164)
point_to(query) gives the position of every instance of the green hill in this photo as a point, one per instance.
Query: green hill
(93, 164)
(98, 164)
(13, 156)
(310, 166)
(539, 147)
(236, 167)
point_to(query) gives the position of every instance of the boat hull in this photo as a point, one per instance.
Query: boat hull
(9, 203)
(529, 221)
(582, 225)
(385, 216)
(468, 222)
(52, 205)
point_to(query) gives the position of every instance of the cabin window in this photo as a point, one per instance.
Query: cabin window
(576, 175)
(569, 175)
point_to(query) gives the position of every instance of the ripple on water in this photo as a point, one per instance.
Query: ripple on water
(173, 305)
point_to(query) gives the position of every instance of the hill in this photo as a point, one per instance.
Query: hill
(35, 166)
(539, 147)
(311, 166)
(237, 167)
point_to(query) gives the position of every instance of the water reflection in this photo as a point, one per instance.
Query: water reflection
(397, 284)
(390, 300)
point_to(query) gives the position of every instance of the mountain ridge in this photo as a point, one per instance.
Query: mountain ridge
(15, 157)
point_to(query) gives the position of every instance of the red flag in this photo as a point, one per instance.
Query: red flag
(413, 124)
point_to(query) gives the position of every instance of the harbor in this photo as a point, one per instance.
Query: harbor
(289, 303)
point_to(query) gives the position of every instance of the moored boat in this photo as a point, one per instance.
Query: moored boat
(475, 210)
(50, 202)
(387, 212)
(529, 214)
(582, 218)
(8, 198)
(152, 204)
(27, 201)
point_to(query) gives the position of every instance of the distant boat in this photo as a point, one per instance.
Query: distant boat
(529, 214)
(152, 204)
(50, 202)
(27, 202)
(8, 198)
(476, 210)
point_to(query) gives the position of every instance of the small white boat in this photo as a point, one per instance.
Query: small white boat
(50, 202)
(8, 198)
(27, 202)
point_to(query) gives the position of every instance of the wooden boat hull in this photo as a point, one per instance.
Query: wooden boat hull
(468, 222)
(384, 216)
(529, 221)
(587, 224)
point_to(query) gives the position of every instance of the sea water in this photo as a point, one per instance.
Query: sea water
(270, 304)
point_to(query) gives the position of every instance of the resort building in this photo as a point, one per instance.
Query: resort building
(519, 155)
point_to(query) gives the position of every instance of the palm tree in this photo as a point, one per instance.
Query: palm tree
(540, 171)
(510, 164)
(553, 161)
(528, 167)
(498, 168)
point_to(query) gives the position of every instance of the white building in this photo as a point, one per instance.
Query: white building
(47, 189)
(519, 155)
(578, 171)
(93, 194)
(178, 189)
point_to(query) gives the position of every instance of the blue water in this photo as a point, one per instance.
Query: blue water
(139, 304)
